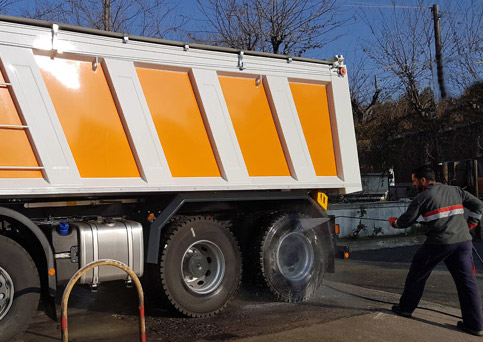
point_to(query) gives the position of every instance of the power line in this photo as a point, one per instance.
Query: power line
(369, 5)
(454, 13)
(365, 4)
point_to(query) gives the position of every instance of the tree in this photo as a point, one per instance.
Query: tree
(461, 30)
(364, 89)
(140, 17)
(232, 24)
(413, 128)
(395, 137)
(278, 26)
(401, 44)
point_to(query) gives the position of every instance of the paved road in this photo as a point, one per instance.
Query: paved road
(354, 305)
(386, 269)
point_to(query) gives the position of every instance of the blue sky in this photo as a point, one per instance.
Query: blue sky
(351, 37)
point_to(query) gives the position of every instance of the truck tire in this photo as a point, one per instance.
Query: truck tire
(292, 262)
(200, 267)
(19, 289)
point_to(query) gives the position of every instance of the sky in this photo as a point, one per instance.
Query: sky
(352, 34)
(350, 40)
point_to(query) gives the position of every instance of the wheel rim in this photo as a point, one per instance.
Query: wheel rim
(203, 267)
(6, 293)
(295, 256)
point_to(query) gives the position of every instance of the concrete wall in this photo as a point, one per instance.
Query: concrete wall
(347, 216)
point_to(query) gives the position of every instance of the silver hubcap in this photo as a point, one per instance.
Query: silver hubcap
(6, 293)
(295, 256)
(203, 267)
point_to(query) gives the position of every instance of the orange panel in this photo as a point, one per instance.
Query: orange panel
(253, 122)
(8, 112)
(178, 122)
(15, 148)
(20, 174)
(88, 114)
(313, 111)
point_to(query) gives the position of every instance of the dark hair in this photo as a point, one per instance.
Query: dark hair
(425, 171)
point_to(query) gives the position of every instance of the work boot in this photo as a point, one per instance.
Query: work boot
(397, 310)
(462, 326)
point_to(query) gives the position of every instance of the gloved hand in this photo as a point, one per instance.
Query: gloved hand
(471, 225)
(392, 220)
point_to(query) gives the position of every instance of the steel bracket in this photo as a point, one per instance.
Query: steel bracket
(241, 64)
(55, 40)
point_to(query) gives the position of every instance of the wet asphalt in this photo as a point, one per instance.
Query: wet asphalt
(354, 304)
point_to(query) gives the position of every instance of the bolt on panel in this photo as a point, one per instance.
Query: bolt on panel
(89, 117)
(179, 123)
(313, 110)
(254, 126)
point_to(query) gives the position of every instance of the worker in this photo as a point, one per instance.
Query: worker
(448, 239)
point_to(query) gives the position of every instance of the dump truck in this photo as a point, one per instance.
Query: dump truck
(188, 163)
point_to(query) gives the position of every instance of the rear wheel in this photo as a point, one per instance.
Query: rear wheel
(200, 267)
(292, 262)
(19, 289)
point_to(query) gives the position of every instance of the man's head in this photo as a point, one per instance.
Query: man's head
(422, 177)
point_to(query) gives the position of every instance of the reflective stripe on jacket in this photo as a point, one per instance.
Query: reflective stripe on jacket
(443, 212)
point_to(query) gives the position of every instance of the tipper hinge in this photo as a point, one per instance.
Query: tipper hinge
(338, 61)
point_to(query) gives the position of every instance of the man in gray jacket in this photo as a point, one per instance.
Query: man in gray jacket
(448, 239)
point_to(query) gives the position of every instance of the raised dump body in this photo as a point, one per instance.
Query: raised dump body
(207, 148)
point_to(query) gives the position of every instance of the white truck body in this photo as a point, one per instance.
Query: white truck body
(167, 157)
(22, 48)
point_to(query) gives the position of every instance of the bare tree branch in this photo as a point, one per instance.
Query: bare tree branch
(400, 44)
(140, 17)
(278, 26)
(461, 29)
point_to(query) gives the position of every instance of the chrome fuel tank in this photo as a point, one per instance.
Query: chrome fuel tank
(120, 240)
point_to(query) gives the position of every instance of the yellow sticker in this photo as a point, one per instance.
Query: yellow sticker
(322, 199)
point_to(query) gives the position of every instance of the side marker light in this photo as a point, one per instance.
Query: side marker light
(150, 217)
(337, 229)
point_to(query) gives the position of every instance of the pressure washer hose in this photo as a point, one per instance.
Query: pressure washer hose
(86, 268)
(384, 220)
(362, 218)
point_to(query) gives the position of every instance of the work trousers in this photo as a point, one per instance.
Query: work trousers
(458, 258)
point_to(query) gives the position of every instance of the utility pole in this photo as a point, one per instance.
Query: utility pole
(439, 47)
(107, 14)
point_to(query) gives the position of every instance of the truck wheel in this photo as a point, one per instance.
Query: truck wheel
(200, 266)
(19, 289)
(292, 261)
